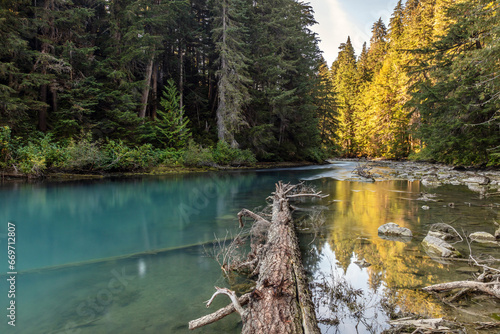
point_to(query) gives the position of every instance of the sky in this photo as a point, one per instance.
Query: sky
(338, 19)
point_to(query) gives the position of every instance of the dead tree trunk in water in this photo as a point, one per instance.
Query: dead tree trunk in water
(281, 301)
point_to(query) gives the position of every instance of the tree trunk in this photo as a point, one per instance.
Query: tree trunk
(42, 113)
(281, 301)
(145, 92)
(181, 78)
(154, 92)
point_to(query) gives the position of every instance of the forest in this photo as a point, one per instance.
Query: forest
(427, 87)
(104, 85)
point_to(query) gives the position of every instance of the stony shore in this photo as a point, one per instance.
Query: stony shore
(433, 175)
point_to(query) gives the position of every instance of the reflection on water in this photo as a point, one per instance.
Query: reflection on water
(96, 256)
(396, 269)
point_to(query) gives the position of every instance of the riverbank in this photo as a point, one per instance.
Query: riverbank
(58, 175)
(430, 174)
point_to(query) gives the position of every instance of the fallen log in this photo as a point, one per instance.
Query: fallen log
(281, 301)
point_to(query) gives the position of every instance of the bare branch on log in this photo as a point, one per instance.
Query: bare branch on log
(226, 251)
(492, 288)
(232, 295)
(221, 313)
(248, 213)
(293, 187)
(317, 195)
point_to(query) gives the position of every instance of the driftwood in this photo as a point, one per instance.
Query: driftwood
(364, 171)
(281, 301)
(491, 288)
(437, 325)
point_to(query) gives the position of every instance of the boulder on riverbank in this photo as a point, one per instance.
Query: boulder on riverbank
(392, 229)
(439, 247)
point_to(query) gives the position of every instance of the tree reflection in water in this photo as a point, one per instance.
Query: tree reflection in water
(352, 298)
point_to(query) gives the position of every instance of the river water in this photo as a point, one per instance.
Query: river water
(129, 255)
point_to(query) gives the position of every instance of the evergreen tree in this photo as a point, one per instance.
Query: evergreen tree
(396, 25)
(364, 71)
(327, 109)
(169, 129)
(16, 61)
(230, 39)
(458, 104)
(285, 57)
(378, 46)
(346, 88)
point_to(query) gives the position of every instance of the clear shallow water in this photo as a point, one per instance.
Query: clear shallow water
(96, 256)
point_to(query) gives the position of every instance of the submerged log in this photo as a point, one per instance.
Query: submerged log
(281, 301)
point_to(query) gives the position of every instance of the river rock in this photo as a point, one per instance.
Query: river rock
(439, 247)
(482, 237)
(479, 179)
(395, 230)
(431, 181)
(478, 188)
(497, 234)
(443, 231)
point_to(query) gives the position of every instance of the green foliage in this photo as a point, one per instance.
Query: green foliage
(31, 160)
(196, 155)
(5, 146)
(458, 104)
(223, 154)
(38, 155)
(119, 156)
(171, 157)
(346, 83)
(114, 75)
(90, 156)
(317, 154)
(169, 129)
(83, 154)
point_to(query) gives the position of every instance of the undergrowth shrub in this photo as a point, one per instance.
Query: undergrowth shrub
(83, 154)
(31, 160)
(6, 146)
(195, 155)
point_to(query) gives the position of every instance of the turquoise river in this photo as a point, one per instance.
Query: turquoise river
(129, 255)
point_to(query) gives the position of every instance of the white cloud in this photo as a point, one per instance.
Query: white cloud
(338, 19)
(334, 25)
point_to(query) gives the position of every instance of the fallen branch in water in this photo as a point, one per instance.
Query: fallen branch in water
(492, 288)
(437, 325)
(364, 171)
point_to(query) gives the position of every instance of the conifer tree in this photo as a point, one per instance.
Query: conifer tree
(327, 109)
(458, 104)
(16, 61)
(230, 37)
(285, 57)
(345, 83)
